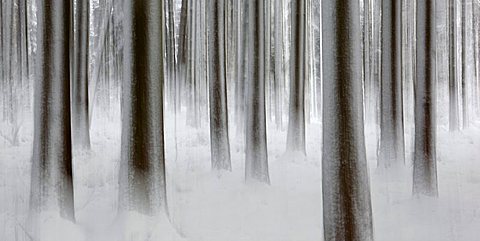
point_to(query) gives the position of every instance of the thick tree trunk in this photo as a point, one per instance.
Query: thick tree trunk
(296, 123)
(452, 79)
(80, 114)
(347, 212)
(142, 167)
(220, 148)
(51, 180)
(424, 166)
(392, 140)
(256, 158)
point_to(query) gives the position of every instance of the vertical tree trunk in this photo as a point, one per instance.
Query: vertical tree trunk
(424, 166)
(296, 123)
(51, 179)
(80, 115)
(279, 71)
(347, 210)
(392, 141)
(142, 167)
(464, 66)
(256, 158)
(243, 67)
(452, 79)
(220, 148)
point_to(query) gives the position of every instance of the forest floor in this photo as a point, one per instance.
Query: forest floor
(211, 206)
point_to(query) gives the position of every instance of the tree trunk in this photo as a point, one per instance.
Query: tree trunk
(452, 79)
(51, 180)
(424, 166)
(256, 158)
(220, 148)
(392, 140)
(464, 66)
(142, 167)
(296, 123)
(80, 114)
(347, 210)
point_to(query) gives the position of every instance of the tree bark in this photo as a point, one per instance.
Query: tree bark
(347, 212)
(256, 158)
(80, 113)
(220, 148)
(142, 167)
(51, 179)
(296, 123)
(452, 79)
(424, 166)
(392, 140)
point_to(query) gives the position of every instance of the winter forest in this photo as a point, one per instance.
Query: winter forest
(239, 120)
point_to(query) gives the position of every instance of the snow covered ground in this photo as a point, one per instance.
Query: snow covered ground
(210, 206)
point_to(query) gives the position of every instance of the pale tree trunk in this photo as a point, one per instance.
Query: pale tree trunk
(452, 79)
(256, 158)
(424, 166)
(296, 123)
(464, 66)
(80, 114)
(220, 148)
(279, 70)
(51, 179)
(347, 212)
(243, 67)
(142, 166)
(392, 140)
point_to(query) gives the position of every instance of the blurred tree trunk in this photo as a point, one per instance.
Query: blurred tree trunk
(256, 158)
(80, 113)
(424, 166)
(51, 179)
(142, 166)
(347, 212)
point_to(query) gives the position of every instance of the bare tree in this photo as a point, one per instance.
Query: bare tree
(424, 166)
(347, 213)
(452, 79)
(256, 158)
(392, 140)
(142, 167)
(51, 180)
(80, 114)
(296, 123)
(220, 148)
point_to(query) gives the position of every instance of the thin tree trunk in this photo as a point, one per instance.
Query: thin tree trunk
(452, 79)
(296, 124)
(464, 66)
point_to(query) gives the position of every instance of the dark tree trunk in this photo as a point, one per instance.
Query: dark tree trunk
(347, 212)
(80, 114)
(392, 140)
(51, 180)
(296, 123)
(256, 158)
(220, 148)
(424, 166)
(142, 167)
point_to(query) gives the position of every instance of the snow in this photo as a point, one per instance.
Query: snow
(208, 206)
